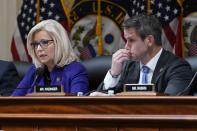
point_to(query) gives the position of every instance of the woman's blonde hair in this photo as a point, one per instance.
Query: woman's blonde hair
(64, 53)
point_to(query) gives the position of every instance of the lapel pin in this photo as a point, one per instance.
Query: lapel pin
(161, 70)
(58, 79)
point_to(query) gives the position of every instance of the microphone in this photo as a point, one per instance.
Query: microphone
(44, 88)
(39, 72)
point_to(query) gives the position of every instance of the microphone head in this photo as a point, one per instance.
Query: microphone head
(39, 71)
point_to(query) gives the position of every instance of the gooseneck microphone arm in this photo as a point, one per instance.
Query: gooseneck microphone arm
(191, 85)
(39, 72)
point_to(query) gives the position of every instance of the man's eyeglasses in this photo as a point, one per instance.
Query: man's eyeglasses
(44, 44)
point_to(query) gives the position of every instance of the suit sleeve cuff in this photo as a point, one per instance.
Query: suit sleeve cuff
(110, 81)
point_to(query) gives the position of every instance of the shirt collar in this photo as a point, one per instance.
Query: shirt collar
(152, 63)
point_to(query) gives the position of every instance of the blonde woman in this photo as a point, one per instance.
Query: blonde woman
(50, 49)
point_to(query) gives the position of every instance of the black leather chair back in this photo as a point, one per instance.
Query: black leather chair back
(22, 68)
(97, 68)
(192, 60)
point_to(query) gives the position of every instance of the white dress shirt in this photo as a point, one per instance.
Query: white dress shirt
(110, 82)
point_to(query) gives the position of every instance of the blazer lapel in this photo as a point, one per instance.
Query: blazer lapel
(160, 66)
(135, 71)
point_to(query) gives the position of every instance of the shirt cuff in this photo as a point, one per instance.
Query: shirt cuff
(109, 81)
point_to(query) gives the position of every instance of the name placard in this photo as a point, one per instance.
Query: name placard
(49, 89)
(139, 88)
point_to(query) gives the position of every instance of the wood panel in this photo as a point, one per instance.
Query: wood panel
(117, 113)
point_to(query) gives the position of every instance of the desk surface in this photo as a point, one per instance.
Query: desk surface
(150, 105)
(101, 105)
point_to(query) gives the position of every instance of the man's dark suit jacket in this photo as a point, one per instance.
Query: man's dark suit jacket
(172, 75)
(9, 78)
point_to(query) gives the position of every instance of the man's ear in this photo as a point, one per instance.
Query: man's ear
(149, 40)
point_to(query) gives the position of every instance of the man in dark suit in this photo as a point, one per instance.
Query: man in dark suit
(9, 78)
(143, 51)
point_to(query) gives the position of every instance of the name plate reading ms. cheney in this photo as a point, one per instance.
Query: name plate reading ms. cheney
(49, 89)
(139, 88)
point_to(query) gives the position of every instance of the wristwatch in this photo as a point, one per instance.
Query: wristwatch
(113, 76)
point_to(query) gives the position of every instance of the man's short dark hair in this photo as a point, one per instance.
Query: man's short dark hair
(145, 25)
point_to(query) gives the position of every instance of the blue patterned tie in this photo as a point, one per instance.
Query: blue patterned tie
(145, 71)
